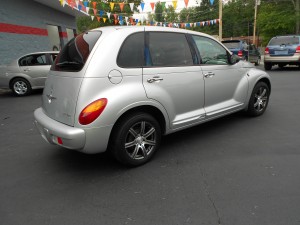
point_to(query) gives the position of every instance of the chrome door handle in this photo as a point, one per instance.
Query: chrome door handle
(26, 70)
(154, 79)
(209, 74)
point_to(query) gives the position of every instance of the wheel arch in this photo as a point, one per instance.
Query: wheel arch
(149, 109)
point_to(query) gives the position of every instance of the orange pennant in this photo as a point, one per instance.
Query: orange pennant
(152, 5)
(121, 6)
(98, 18)
(186, 2)
(94, 4)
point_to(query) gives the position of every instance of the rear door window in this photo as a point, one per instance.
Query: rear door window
(33, 60)
(74, 55)
(167, 49)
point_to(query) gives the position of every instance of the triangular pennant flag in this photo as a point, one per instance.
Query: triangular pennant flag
(120, 17)
(116, 22)
(86, 4)
(94, 5)
(92, 17)
(131, 6)
(95, 11)
(69, 2)
(101, 13)
(112, 6)
(127, 23)
(142, 6)
(79, 7)
(174, 4)
(98, 18)
(115, 15)
(77, 3)
(131, 20)
(191, 24)
(108, 15)
(121, 6)
(186, 2)
(215, 21)
(136, 20)
(62, 3)
(163, 4)
(126, 18)
(211, 2)
(121, 22)
(152, 5)
(87, 9)
(104, 20)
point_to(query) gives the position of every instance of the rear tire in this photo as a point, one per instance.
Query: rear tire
(135, 139)
(21, 87)
(259, 99)
(268, 66)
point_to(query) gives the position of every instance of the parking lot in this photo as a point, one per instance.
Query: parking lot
(232, 171)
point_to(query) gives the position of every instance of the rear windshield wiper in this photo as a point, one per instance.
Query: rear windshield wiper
(68, 63)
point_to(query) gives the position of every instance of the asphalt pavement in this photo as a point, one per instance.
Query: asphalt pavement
(232, 171)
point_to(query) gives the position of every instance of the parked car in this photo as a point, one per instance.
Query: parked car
(282, 51)
(237, 47)
(254, 55)
(27, 72)
(122, 88)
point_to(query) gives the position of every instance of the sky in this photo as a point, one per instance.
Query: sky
(147, 8)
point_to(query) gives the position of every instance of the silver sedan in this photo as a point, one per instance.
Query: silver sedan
(27, 72)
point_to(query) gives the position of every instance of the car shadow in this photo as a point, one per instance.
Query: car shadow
(7, 93)
(104, 163)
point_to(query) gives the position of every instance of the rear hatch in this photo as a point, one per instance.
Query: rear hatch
(64, 80)
(233, 46)
(283, 46)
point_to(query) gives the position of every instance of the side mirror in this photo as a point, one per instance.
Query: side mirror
(234, 59)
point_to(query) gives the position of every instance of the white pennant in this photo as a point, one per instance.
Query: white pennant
(127, 23)
(77, 2)
(126, 19)
(108, 15)
(131, 6)
(87, 9)
(92, 17)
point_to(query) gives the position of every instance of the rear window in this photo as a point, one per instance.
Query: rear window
(285, 40)
(232, 44)
(74, 55)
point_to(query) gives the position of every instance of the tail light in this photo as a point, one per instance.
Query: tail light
(267, 51)
(92, 111)
(240, 53)
(298, 49)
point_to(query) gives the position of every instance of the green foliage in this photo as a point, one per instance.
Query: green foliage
(276, 18)
(158, 16)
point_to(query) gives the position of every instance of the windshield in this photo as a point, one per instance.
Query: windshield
(74, 55)
(285, 40)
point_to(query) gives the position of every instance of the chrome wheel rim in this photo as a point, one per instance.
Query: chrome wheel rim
(260, 99)
(140, 140)
(20, 87)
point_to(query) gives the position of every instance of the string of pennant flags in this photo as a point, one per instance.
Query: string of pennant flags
(120, 19)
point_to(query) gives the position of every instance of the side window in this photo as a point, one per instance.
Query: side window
(211, 52)
(33, 60)
(168, 49)
(131, 54)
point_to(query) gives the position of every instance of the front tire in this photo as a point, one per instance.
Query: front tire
(259, 99)
(21, 87)
(135, 139)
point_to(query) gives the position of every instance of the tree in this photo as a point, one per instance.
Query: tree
(158, 16)
(275, 18)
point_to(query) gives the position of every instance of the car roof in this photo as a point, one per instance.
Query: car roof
(150, 28)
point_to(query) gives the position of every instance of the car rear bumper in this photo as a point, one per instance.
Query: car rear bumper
(90, 141)
(282, 59)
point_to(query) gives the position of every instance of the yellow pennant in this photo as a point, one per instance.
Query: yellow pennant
(174, 4)
(104, 20)
(112, 6)
(62, 2)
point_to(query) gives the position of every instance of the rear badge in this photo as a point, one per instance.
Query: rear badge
(50, 97)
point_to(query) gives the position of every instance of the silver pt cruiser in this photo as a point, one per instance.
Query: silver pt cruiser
(122, 88)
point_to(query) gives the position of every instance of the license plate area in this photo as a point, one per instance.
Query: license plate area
(282, 52)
